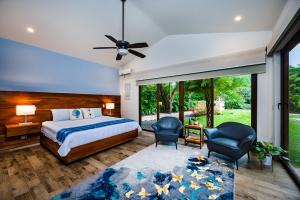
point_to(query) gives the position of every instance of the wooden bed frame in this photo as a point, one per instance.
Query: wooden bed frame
(44, 102)
(88, 149)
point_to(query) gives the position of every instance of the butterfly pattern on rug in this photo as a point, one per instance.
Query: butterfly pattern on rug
(199, 179)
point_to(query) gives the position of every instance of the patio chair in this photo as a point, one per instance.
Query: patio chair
(231, 139)
(167, 129)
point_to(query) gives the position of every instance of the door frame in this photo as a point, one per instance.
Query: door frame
(284, 104)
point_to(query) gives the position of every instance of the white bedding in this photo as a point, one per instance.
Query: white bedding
(50, 129)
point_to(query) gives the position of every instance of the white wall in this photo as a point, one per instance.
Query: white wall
(265, 103)
(175, 49)
(217, 45)
(130, 108)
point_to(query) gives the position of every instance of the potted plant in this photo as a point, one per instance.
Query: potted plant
(266, 150)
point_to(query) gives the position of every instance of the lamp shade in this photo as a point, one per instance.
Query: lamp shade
(110, 106)
(25, 109)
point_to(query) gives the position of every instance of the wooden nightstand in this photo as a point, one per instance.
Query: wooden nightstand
(13, 130)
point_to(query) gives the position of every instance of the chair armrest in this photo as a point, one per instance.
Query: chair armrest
(179, 128)
(247, 142)
(155, 127)
(211, 133)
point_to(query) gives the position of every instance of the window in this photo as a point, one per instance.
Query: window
(197, 101)
(192, 101)
(290, 105)
(232, 99)
(168, 99)
(148, 101)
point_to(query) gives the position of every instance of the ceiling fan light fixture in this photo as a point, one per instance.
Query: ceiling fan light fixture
(124, 47)
(122, 52)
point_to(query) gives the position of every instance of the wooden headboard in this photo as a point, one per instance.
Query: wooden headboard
(46, 101)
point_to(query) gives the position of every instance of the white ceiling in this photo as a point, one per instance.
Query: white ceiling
(73, 27)
(212, 16)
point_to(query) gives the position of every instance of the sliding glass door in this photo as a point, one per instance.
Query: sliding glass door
(197, 102)
(291, 103)
(148, 106)
(168, 99)
(209, 102)
(232, 99)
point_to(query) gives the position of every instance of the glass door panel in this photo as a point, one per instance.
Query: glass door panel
(148, 111)
(232, 99)
(294, 107)
(195, 110)
(168, 99)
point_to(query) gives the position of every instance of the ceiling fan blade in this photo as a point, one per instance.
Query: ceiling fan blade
(111, 38)
(104, 47)
(136, 53)
(119, 57)
(138, 45)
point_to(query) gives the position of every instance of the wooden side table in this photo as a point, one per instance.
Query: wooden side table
(192, 139)
(13, 130)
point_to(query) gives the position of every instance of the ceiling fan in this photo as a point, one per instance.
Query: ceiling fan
(123, 47)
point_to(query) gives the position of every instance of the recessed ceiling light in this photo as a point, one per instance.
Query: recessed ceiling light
(238, 18)
(30, 30)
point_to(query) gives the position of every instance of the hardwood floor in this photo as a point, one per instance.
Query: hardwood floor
(34, 173)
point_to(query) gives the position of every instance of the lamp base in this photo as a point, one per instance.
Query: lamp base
(24, 123)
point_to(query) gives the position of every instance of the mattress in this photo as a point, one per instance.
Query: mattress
(51, 128)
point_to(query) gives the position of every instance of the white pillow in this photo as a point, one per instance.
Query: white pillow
(60, 114)
(88, 113)
(97, 111)
(75, 114)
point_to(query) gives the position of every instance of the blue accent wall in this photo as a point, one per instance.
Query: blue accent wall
(28, 68)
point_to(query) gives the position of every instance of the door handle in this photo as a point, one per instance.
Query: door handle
(279, 105)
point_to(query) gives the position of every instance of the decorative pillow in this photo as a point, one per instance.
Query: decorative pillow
(60, 114)
(97, 111)
(75, 114)
(88, 113)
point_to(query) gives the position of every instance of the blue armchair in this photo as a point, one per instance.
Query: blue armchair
(231, 139)
(167, 129)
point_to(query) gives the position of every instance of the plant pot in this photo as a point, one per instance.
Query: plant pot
(267, 161)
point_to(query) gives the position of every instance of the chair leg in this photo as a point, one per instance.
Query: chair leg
(176, 145)
(248, 156)
(208, 153)
(237, 164)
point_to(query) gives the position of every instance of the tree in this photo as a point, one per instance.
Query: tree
(167, 93)
(148, 99)
(294, 89)
(202, 87)
(234, 89)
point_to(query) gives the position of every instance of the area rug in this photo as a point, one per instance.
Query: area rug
(160, 173)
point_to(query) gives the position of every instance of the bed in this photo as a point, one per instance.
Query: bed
(83, 143)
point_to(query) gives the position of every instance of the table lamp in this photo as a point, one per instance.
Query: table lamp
(110, 106)
(25, 110)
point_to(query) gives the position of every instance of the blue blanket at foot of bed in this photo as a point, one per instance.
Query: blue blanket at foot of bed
(63, 133)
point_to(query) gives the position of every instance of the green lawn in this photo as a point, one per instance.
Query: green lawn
(237, 115)
(294, 142)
